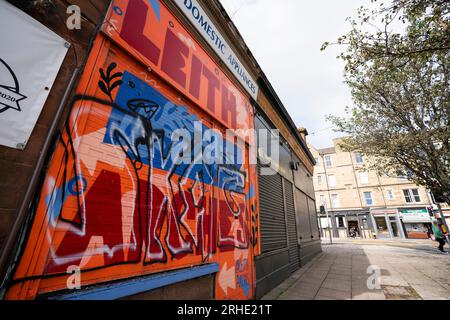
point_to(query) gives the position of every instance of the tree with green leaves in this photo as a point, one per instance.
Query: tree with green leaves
(397, 65)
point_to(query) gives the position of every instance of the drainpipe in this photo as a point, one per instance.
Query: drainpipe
(12, 242)
(333, 219)
(356, 180)
(326, 178)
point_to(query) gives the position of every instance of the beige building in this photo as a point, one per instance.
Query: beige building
(361, 203)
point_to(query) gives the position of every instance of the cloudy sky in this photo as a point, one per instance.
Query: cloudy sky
(285, 37)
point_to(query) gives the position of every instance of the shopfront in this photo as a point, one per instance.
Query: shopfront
(289, 232)
(359, 225)
(122, 198)
(417, 223)
(349, 224)
(387, 223)
(151, 186)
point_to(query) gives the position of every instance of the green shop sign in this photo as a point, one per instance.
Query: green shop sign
(415, 216)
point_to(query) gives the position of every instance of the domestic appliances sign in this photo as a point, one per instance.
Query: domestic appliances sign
(198, 17)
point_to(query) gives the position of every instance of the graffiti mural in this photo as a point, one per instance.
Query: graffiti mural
(142, 179)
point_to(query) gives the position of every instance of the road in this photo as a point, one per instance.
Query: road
(371, 270)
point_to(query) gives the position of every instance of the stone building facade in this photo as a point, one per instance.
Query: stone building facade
(361, 203)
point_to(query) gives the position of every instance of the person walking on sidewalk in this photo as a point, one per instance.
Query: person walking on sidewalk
(439, 235)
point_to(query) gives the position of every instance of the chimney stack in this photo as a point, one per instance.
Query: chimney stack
(303, 133)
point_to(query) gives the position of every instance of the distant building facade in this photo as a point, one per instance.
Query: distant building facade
(361, 203)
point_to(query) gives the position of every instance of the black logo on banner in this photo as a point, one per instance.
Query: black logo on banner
(9, 89)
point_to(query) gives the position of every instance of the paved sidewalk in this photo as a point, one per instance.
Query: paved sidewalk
(409, 271)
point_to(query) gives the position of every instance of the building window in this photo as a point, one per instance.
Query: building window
(364, 177)
(368, 198)
(385, 174)
(331, 181)
(365, 224)
(412, 196)
(334, 201)
(416, 195)
(390, 195)
(328, 162)
(323, 200)
(340, 222)
(319, 180)
(402, 175)
(359, 159)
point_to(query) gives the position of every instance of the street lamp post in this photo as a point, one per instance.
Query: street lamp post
(443, 221)
(324, 210)
(329, 226)
(441, 213)
(329, 222)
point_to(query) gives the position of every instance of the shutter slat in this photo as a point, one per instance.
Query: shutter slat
(271, 206)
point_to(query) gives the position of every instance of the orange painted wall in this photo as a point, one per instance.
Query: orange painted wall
(114, 202)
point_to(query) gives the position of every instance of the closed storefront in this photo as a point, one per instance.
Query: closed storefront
(294, 257)
(125, 195)
(303, 221)
(148, 182)
(315, 234)
(271, 210)
(273, 265)
(307, 222)
(288, 221)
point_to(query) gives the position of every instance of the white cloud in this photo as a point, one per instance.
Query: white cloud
(285, 37)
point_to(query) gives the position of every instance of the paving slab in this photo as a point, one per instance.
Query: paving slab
(337, 284)
(325, 298)
(304, 293)
(335, 294)
(369, 296)
(341, 271)
(409, 270)
(337, 276)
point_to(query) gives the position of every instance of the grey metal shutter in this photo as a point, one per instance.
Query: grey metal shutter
(291, 226)
(313, 219)
(303, 219)
(271, 215)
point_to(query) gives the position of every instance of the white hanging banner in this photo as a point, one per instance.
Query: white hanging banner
(30, 58)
